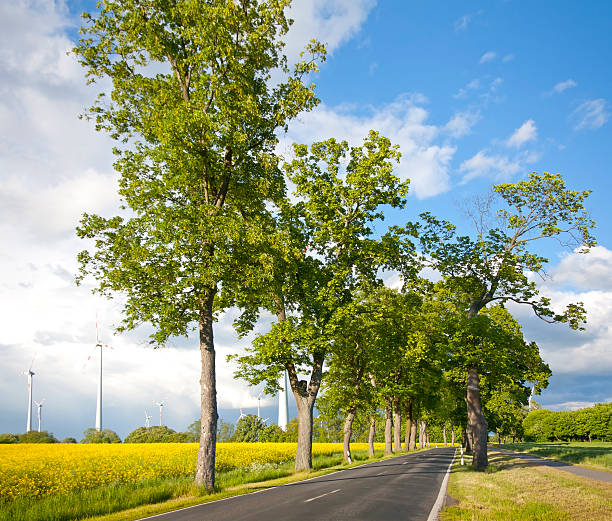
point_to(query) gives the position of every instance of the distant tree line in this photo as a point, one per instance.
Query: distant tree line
(590, 424)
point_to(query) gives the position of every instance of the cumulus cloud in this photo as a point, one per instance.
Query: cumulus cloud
(424, 161)
(331, 22)
(464, 91)
(591, 114)
(525, 133)
(488, 56)
(496, 166)
(508, 58)
(461, 123)
(586, 271)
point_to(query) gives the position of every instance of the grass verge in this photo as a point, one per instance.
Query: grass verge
(597, 455)
(127, 502)
(512, 489)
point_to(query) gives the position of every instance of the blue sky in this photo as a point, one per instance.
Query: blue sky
(474, 94)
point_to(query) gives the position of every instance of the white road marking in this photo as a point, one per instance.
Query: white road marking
(322, 495)
(405, 463)
(380, 474)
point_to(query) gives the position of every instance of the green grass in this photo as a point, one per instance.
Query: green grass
(512, 489)
(131, 501)
(596, 455)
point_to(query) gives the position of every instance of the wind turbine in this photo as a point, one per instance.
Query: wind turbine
(160, 405)
(242, 415)
(282, 402)
(99, 403)
(147, 418)
(30, 375)
(39, 405)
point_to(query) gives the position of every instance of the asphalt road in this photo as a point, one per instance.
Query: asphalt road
(401, 488)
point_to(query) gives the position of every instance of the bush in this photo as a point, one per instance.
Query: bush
(158, 434)
(104, 436)
(37, 437)
(9, 438)
(69, 440)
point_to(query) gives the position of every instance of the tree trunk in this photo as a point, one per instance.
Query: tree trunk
(413, 434)
(408, 424)
(444, 435)
(371, 435)
(498, 438)
(303, 455)
(426, 436)
(389, 427)
(452, 434)
(397, 426)
(348, 432)
(476, 421)
(205, 466)
(422, 431)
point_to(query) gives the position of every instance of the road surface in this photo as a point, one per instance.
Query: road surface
(401, 488)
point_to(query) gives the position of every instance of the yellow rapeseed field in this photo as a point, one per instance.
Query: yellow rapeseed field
(39, 470)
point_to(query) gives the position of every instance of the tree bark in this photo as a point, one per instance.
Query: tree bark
(205, 467)
(303, 455)
(452, 434)
(371, 436)
(389, 427)
(476, 421)
(422, 434)
(444, 435)
(408, 424)
(413, 434)
(348, 432)
(397, 426)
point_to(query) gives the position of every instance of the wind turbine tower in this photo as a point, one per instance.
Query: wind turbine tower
(147, 418)
(160, 405)
(39, 405)
(30, 375)
(282, 402)
(99, 403)
(259, 404)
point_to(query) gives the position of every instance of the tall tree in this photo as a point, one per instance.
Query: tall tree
(494, 265)
(195, 114)
(330, 255)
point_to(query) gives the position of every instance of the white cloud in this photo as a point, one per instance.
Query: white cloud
(508, 58)
(592, 114)
(404, 122)
(483, 164)
(464, 91)
(488, 57)
(586, 271)
(564, 85)
(461, 123)
(525, 133)
(462, 23)
(331, 22)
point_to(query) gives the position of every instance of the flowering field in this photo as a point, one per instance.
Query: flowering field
(39, 470)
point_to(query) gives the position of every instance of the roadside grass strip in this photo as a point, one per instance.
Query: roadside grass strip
(596, 455)
(512, 489)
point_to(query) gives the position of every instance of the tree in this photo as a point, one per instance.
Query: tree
(329, 255)
(157, 434)
(69, 439)
(9, 438)
(92, 435)
(195, 115)
(37, 437)
(249, 428)
(494, 266)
